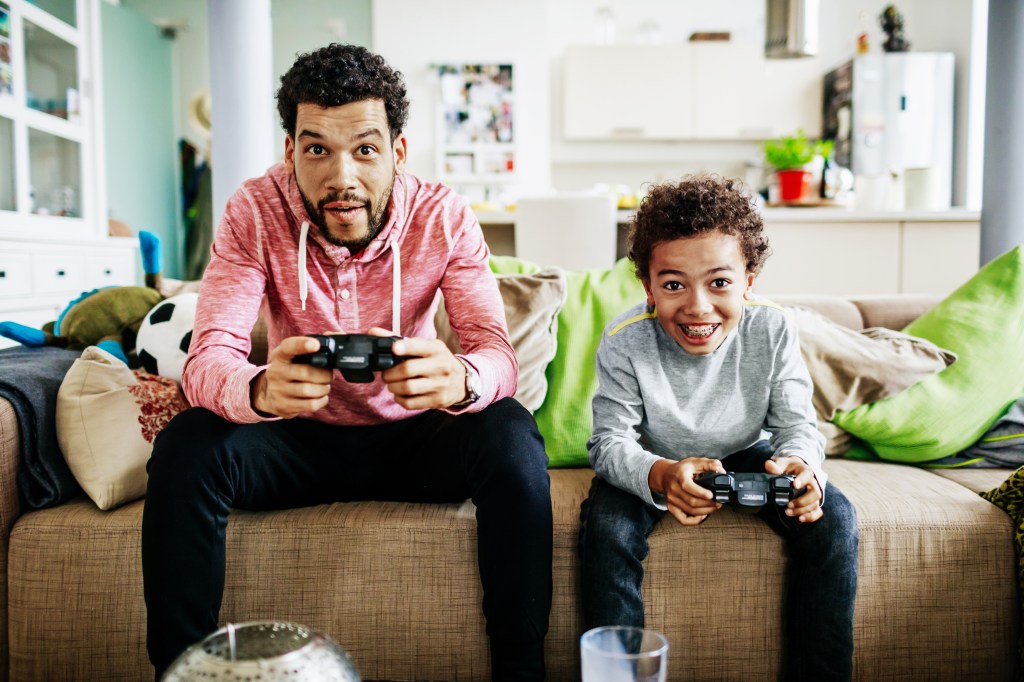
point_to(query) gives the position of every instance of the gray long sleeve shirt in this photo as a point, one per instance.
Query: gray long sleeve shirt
(656, 400)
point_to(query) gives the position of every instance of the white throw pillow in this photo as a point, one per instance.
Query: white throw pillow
(107, 418)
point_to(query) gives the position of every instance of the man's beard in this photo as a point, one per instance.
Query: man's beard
(376, 213)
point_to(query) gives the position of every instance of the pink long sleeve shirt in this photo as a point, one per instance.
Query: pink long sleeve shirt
(262, 255)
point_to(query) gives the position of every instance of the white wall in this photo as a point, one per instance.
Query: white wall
(412, 35)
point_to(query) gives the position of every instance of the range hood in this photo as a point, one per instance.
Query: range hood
(791, 29)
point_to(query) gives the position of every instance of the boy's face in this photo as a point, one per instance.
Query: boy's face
(698, 286)
(345, 165)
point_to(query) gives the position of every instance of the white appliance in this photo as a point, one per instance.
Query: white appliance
(892, 118)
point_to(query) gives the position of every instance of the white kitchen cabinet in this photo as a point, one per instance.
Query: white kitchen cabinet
(937, 257)
(847, 256)
(841, 259)
(705, 90)
(628, 92)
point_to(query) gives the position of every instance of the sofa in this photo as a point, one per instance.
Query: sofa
(396, 584)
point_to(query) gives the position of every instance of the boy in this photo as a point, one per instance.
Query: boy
(706, 378)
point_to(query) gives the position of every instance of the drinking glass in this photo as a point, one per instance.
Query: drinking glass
(623, 654)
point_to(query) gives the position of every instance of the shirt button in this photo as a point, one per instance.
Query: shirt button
(344, 294)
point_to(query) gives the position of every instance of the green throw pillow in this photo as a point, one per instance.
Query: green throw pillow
(510, 265)
(983, 323)
(595, 298)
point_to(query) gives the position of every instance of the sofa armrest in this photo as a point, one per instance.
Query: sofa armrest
(10, 445)
(10, 510)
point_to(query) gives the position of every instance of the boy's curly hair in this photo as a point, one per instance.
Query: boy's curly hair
(341, 74)
(695, 205)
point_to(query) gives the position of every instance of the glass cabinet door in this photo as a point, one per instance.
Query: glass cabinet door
(6, 67)
(7, 187)
(55, 175)
(65, 10)
(46, 130)
(51, 73)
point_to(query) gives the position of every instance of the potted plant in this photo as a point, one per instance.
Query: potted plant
(788, 155)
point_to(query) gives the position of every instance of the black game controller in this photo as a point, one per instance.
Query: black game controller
(358, 356)
(749, 492)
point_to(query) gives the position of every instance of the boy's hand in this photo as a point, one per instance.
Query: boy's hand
(688, 502)
(287, 389)
(807, 507)
(433, 379)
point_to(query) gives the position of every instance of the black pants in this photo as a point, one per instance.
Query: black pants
(202, 466)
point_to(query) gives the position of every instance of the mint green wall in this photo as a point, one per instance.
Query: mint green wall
(141, 147)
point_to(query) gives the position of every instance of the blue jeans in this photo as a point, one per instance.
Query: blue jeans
(821, 576)
(203, 466)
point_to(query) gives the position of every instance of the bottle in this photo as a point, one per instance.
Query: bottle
(829, 183)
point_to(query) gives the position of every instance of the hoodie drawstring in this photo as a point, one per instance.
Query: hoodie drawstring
(396, 290)
(303, 284)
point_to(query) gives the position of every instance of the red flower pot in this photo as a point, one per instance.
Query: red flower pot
(794, 185)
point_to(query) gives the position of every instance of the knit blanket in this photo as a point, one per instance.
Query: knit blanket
(29, 379)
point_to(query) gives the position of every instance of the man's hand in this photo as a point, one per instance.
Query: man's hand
(807, 507)
(688, 502)
(286, 389)
(432, 379)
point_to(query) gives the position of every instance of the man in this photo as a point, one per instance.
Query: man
(317, 244)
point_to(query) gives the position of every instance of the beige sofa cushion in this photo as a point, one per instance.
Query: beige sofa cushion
(396, 583)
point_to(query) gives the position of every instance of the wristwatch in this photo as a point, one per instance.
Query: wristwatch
(472, 386)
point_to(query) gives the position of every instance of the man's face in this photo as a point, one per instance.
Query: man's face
(698, 286)
(345, 166)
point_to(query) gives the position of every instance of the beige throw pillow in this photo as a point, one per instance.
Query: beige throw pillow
(851, 368)
(107, 418)
(532, 303)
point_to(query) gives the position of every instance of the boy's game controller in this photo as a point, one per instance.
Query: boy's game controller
(357, 356)
(749, 492)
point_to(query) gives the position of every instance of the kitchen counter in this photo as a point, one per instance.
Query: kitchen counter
(837, 250)
(800, 215)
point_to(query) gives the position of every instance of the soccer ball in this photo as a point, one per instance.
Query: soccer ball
(165, 334)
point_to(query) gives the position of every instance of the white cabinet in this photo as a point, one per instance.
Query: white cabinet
(840, 259)
(870, 257)
(39, 279)
(628, 92)
(50, 177)
(53, 225)
(476, 153)
(936, 258)
(689, 91)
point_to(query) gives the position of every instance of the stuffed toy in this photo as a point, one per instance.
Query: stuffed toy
(109, 317)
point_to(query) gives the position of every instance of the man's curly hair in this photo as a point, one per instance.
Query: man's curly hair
(341, 74)
(696, 205)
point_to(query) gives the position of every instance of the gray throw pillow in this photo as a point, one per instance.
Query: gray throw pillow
(532, 303)
(851, 368)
